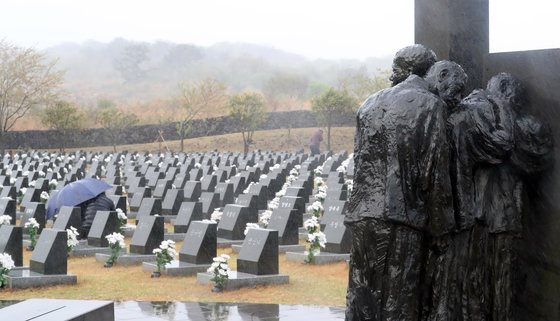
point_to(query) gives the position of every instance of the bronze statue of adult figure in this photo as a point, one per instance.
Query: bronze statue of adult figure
(442, 278)
(500, 189)
(401, 194)
(411, 60)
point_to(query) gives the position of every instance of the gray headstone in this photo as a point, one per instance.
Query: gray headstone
(234, 219)
(210, 201)
(259, 253)
(37, 211)
(68, 216)
(199, 246)
(339, 238)
(9, 191)
(148, 235)
(192, 191)
(172, 202)
(119, 201)
(188, 212)
(139, 195)
(162, 186)
(104, 223)
(332, 209)
(208, 183)
(50, 255)
(239, 183)
(262, 195)
(195, 174)
(8, 207)
(292, 202)
(225, 191)
(31, 195)
(11, 238)
(180, 180)
(287, 223)
(149, 206)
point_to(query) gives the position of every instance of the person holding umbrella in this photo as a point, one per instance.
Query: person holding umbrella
(88, 194)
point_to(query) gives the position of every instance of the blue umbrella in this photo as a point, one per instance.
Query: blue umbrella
(75, 193)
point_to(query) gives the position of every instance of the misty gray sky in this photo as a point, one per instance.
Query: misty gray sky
(312, 28)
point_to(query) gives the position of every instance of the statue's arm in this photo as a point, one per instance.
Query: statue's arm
(436, 183)
(533, 151)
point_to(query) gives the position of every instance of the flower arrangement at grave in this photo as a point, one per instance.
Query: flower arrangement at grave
(44, 197)
(165, 253)
(12, 180)
(122, 218)
(22, 192)
(317, 208)
(318, 171)
(72, 238)
(197, 165)
(322, 194)
(6, 264)
(319, 181)
(274, 203)
(246, 191)
(216, 216)
(265, 217)
(294, 173)
(350, 185)
(41, 174)
(116, 244)
(32, 228)
(5, 220)
(317, 238)
(52, 184)
(250, 226)
(32, 184)
(219, 270)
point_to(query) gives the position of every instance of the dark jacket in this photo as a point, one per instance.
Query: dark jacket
(90, 208)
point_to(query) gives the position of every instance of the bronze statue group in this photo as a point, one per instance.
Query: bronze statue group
(437, 205)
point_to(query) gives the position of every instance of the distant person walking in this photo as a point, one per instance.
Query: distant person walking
(316, 140)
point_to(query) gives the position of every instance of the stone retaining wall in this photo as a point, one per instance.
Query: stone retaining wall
(43, 139)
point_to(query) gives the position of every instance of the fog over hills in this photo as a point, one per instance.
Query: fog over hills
(128, 71)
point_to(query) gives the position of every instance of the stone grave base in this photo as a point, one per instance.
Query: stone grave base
(239, 280)
(86, 250)
(127, 230)
(303, 236)
(27, 242)
(221, 242)
(176, 268)
(131, 214)
(126, 259)
(25, 278)
(321, 258)
(23, 267)
(59, 310)
(281, 248)
(306, 216)
(168, 218)
(176, 237)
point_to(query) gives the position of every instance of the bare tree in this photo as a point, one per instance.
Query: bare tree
(206, 95)
(65, 118)
(116, 122)
(27, 79)
(331, 106)
(248, 110)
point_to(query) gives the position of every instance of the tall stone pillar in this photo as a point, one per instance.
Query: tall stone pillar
(456, 30)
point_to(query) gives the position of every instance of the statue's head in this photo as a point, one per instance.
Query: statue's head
(509, 88)
(415, 59)
(447, 79)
